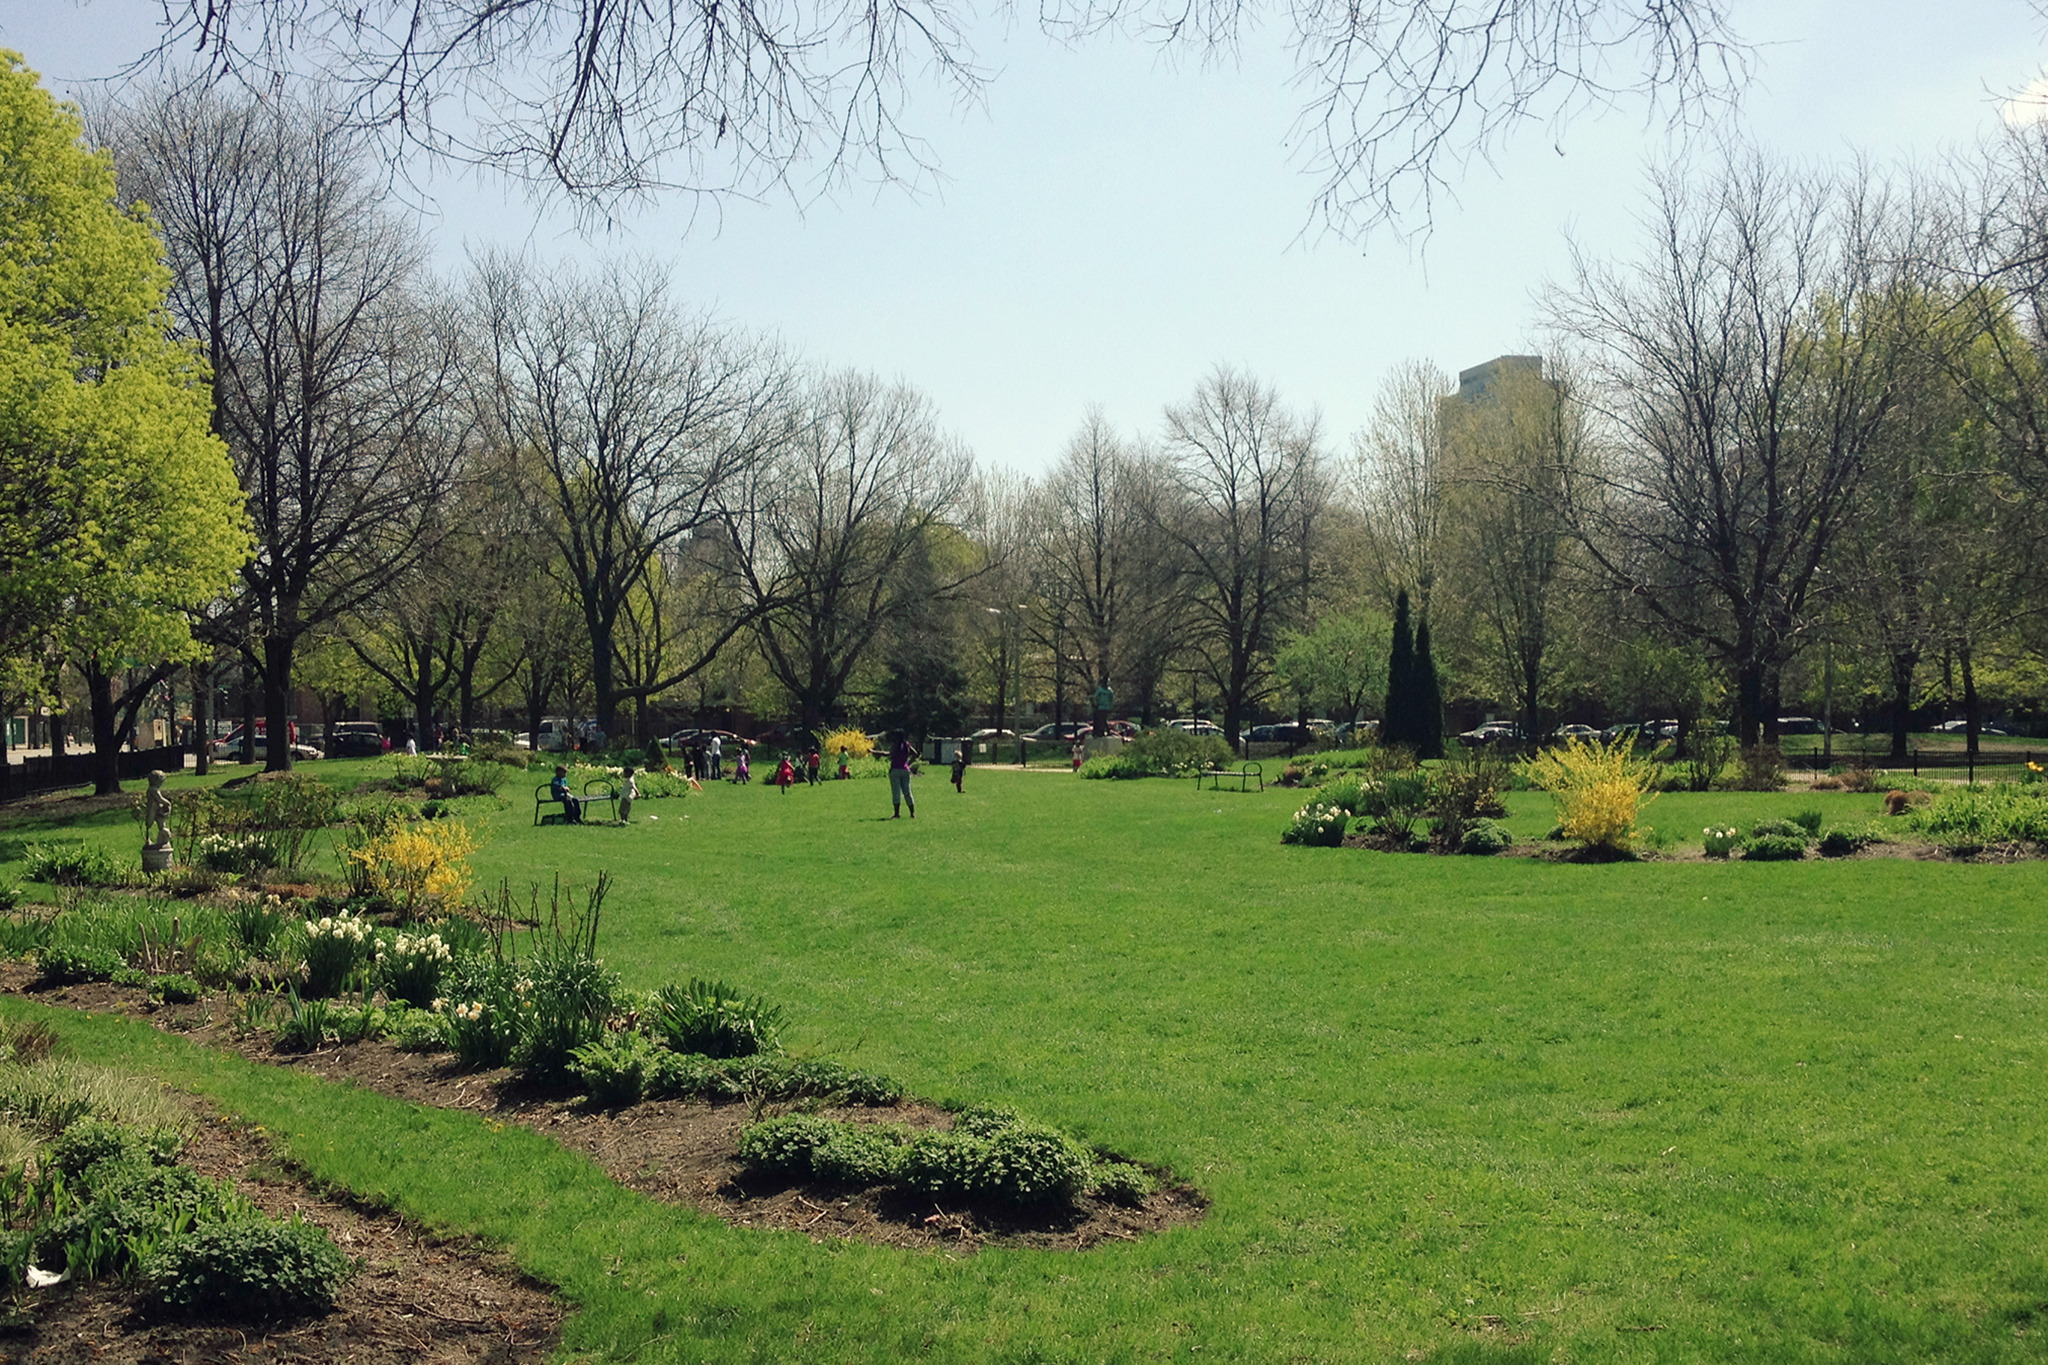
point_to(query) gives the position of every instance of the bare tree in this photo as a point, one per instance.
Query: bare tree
(332, 361)
(827, 533)
(603, 101)
(638, 419)
(1743, 368)
(1399, 474)
(1508, 537)
(1240, 498)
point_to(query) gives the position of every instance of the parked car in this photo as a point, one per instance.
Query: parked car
(1062, 732)
(356, 739)
(1492, 732)
(1570, 732)
(988, 734)
(1196, 727)
(1800, 725)
(1281, 734)
(230, 748)
(1957, 727)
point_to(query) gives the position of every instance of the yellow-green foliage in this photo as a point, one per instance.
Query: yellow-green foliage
(417, 866)
(104, 415)
(852, 743)
(1599, 789)
(47, 1096)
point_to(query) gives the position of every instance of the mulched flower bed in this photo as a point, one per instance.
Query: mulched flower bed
(676, 1151)
(414, 1297)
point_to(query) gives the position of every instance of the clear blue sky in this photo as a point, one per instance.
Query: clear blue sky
(1112, 227)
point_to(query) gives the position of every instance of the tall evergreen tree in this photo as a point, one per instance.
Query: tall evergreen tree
(1398, 726)
(1427, 697)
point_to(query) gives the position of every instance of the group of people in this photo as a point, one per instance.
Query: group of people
(705, 758)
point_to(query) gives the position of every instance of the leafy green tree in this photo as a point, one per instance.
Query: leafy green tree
(1337, 665)
(120, 509)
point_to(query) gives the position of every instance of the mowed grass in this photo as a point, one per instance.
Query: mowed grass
(1448, 1108)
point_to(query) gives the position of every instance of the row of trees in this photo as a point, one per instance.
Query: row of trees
(1806, 414)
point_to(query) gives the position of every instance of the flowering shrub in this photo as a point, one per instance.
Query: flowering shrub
(852, 743)
(1599, 790)
(234, 854)
(1318, 825)
(416, 867)
(1721, 842)
(410, 968)
(337, 946)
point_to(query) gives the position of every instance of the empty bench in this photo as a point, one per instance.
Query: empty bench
(1243, 775)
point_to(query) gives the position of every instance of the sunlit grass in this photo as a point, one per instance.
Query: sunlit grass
(1772, 1112)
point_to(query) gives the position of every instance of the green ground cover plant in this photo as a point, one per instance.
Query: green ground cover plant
(1467, 1108)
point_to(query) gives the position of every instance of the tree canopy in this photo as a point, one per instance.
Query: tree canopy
(120, 508)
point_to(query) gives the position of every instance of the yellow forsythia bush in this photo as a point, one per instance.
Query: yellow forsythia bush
(852, 743)
(1599, 789)
(418, 866)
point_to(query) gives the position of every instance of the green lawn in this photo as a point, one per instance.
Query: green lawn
(1484, 1108)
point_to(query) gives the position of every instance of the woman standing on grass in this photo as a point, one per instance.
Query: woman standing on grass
(901, 756)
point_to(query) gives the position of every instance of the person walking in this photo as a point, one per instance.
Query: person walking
(742, 775)
(811, 762)
(717, 758)
(785, 774)
(960, 767)
(901, 756)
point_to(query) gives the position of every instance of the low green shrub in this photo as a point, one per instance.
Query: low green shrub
(1020, 1164)
(1720, 840)
(71, 865)
(1317, 825)
(767, 1076)
(258, 924)
(418, 1031)
(1172, 752)
(248, 1269)
(1766, 848)
(1839, 843)
(1808, 820)
(90, 1141)
(1485, 836)
(613, 1069)
(784, 1146)
(1116, 766)
(67, 966)
(714, 1019)
(859, 1154)
(1965, 819)
(10, 896)
(175, 988)
(1777, 829)
(1120, 1182)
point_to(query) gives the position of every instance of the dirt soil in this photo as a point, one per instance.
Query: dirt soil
(414, 1297)
(676, 1151)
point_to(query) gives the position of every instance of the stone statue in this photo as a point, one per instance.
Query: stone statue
(156, 826)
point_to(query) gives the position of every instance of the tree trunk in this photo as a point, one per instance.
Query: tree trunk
(248, 712)
(1903, 665)
(277, 693)
(1972, 705)
(106, 743)
(202, 718)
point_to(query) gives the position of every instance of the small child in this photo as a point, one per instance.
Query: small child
(628, 797)
(845, 769)
(785, 774)
(741, 773)
(959, 768)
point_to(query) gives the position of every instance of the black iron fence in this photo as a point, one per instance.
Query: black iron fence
(27, 776)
